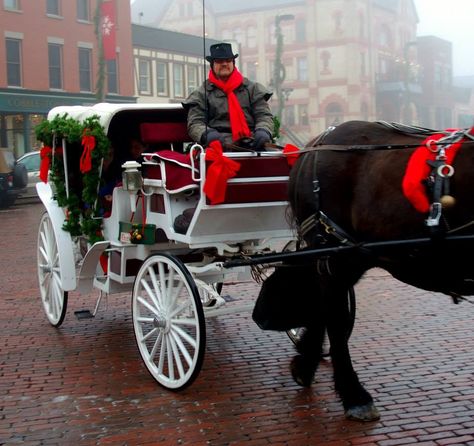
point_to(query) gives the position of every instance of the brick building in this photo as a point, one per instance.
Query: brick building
(50, 56)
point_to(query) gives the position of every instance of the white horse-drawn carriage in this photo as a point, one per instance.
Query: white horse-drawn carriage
(175, 276)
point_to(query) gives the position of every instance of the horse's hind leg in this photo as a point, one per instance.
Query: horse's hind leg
(357, 402)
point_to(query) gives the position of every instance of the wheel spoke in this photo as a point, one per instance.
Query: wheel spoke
(159, 301)
(177, 358)
(178, 342)
(179, 331)
(150, 293)
(170, 358)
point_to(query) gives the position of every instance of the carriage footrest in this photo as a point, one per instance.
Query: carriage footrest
(83, 314)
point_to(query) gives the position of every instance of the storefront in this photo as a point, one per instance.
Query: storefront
(22, 110)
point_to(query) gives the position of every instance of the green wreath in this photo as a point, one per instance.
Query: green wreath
(80, 202)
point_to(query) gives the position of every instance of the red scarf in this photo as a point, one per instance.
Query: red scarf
(238, 123)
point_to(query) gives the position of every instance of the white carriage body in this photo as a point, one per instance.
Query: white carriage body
(245, 224)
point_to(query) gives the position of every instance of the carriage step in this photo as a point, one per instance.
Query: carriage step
(83, 314)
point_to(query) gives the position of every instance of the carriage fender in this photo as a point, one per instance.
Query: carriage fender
(63, 238)
(89, 266)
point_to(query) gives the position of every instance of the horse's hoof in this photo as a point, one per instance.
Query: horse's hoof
(302, 372)
(367, 412)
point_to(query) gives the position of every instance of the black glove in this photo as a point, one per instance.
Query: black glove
(261, 136)
(212, 135)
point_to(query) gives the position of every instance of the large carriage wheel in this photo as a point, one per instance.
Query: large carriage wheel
(168, 321)
(54, 298)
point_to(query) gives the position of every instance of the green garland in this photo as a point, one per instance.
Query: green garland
(82, 210)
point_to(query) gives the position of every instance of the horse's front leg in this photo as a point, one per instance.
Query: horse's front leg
(358, 403)
(309, 348)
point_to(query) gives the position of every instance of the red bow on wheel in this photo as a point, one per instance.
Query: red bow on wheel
(221, 169)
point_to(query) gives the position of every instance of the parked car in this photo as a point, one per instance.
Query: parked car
(13, 178)
(31, 161)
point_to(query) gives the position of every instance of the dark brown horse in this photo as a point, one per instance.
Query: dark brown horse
(346, 195)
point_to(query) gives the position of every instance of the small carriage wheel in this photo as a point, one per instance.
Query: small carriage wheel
(54, 298)
(168, 321)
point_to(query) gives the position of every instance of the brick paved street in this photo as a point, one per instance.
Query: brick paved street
(85, 384)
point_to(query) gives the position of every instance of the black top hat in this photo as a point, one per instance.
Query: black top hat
(221, 51)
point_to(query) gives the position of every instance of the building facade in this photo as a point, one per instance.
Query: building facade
(50, 56)
(168, 64)
(327, 61)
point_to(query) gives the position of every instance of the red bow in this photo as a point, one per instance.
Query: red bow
(291, 153)
(45, 156)
(221, 169)
(88, 141)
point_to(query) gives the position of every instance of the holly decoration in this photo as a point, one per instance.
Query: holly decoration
(81, 204)
(136, 234)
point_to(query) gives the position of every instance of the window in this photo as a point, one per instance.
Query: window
(252, 70)
(11, 4)
(85, 72)
(325, 58)
(289, 115)
(303, 114)
(55, 53)
(52, 7)
(193, 78)
(251, 37)
(302, 69)
(144, 76)
(300, 30)
(112, 78)
(334, 115)
(162, 79)
(178, 80)
(13, 47)
(83, 10)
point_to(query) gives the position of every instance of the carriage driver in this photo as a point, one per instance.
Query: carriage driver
(227, 106)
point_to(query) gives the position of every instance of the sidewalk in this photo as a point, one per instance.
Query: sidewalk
(85, 384)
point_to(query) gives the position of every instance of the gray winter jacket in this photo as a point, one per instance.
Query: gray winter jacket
(252, 97)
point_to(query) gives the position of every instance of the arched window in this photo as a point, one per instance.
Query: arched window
(334, 114)
(325, 58)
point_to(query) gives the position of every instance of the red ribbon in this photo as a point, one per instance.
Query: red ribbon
(221, 169)
(45, 156)
(291, 153)
(88, 141)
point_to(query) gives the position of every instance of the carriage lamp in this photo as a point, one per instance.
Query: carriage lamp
(131, 177)
(131, 180)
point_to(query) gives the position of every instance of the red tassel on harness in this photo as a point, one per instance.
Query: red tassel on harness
(418, 170)
(221, 169)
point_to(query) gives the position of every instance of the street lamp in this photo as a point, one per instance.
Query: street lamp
(407, 115)
(279, 69)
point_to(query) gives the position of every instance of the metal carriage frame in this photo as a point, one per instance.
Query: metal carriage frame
(175, 280)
